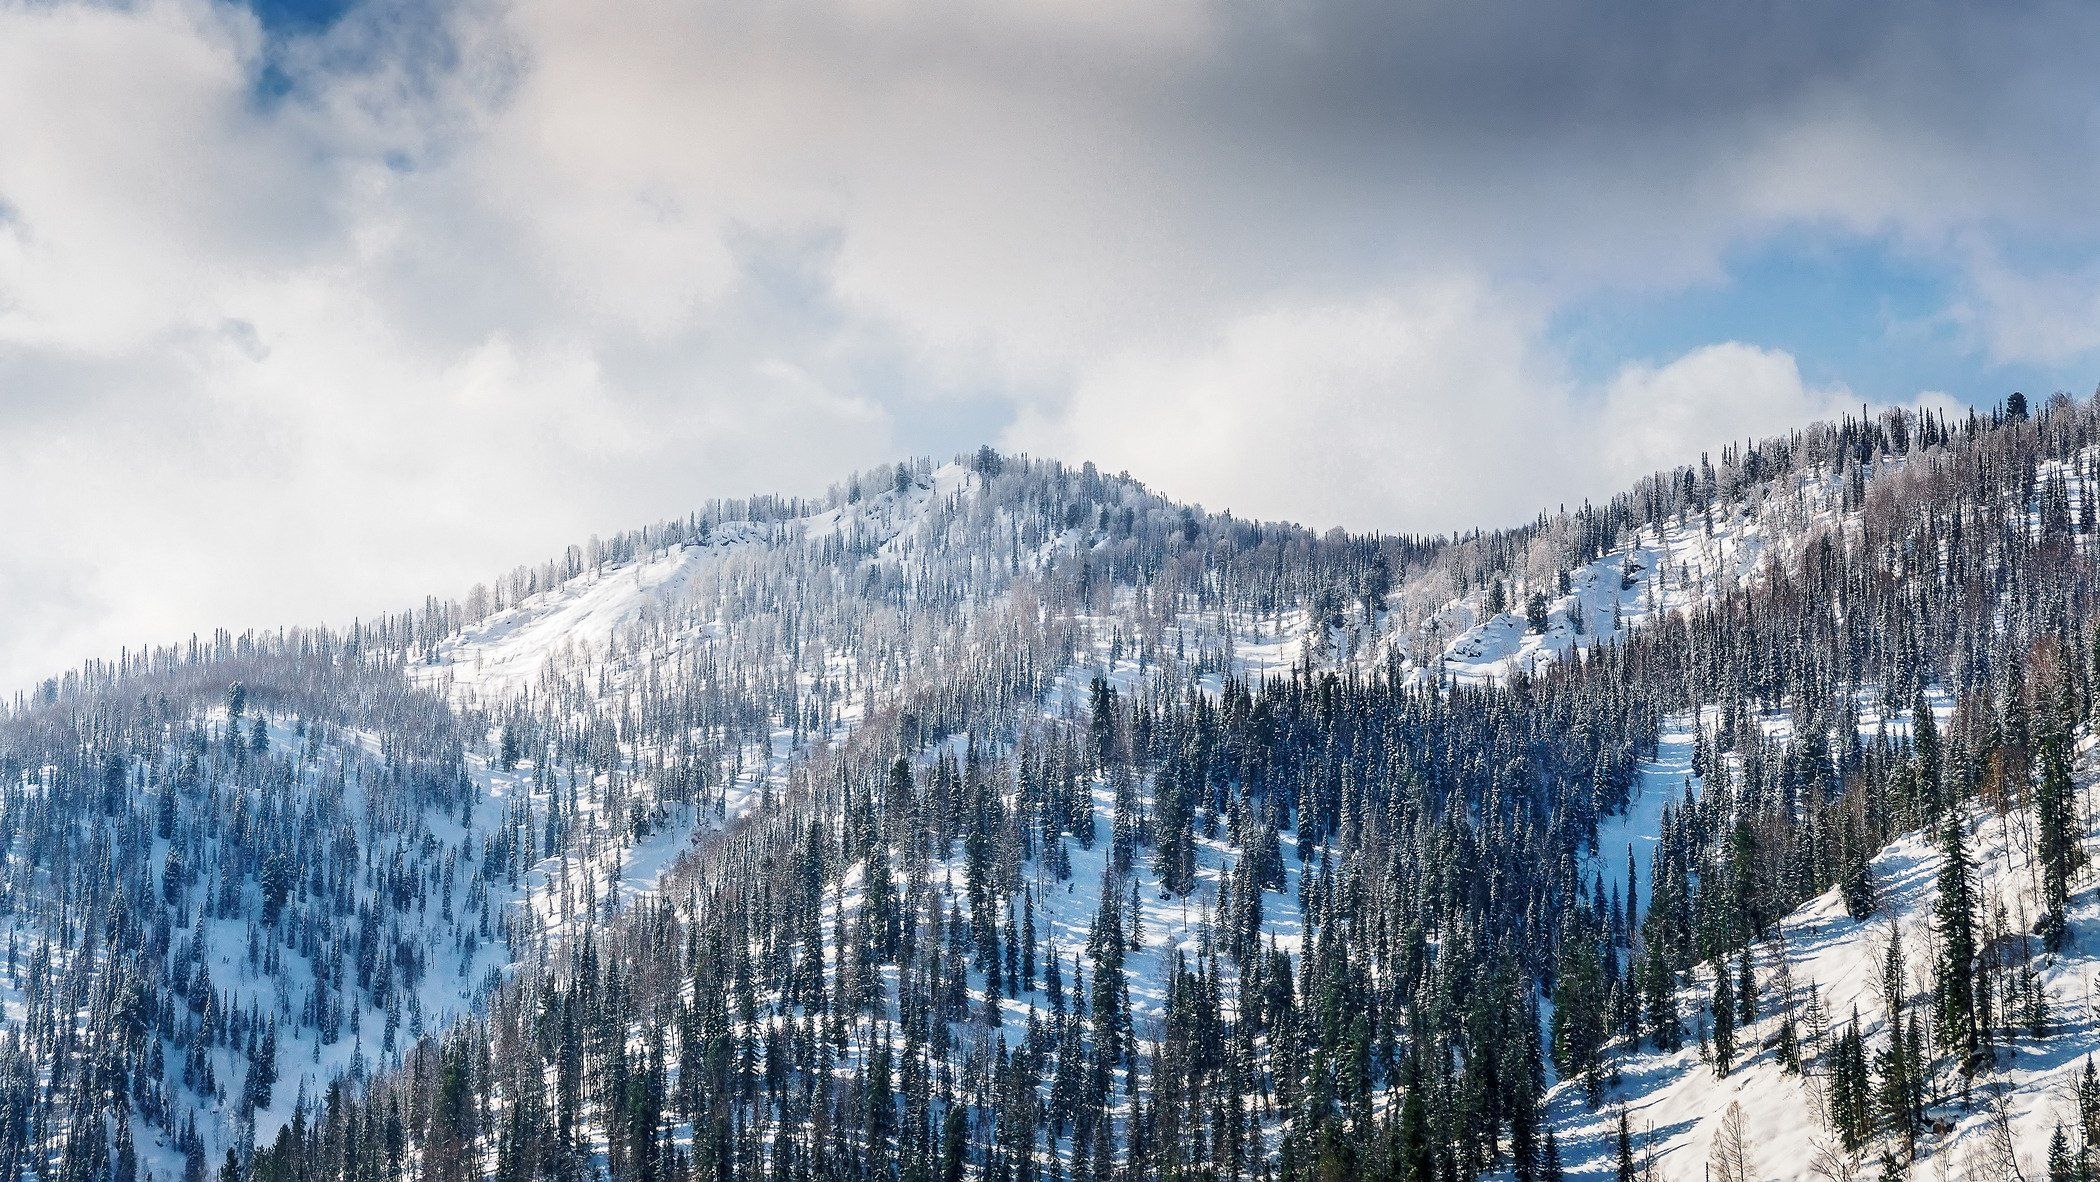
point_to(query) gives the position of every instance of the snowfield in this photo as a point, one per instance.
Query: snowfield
(1676, 1102)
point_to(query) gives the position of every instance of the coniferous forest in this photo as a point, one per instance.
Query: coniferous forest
(1000, 820)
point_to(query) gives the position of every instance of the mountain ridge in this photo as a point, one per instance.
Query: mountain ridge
(1067, 675)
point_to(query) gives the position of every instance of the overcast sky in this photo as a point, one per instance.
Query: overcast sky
(309, 309)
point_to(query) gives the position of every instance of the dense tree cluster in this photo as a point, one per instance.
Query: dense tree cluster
(1005, 872)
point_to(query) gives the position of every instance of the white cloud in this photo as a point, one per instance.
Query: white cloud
(483, 278)
(1433, 412)
(2049, 312)
(1654, 417)
(1409, 411)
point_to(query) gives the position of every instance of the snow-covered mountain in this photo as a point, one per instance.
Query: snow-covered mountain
(996, 819)
(1821, 971)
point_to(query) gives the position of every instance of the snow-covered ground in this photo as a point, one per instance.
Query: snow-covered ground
(1675, 1102)
(1626, 840)
(455, 934)
(584, 619)
(1670, 568)
(607, 629)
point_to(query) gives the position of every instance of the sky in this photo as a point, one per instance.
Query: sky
(309, 308)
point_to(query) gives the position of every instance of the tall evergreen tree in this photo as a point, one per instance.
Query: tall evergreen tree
(1954, 919)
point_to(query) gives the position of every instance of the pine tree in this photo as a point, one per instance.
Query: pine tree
(1925, 741)
(1851, 1099)
(2056, 835)
(2088, 1114)
(1898, 1103)
(1417, 1157)
(954, 1143)
(2062, 1167)
(1579, 1010)
(1746, 990)
(1724, 1021)
(1954, 918)
(1659, 1002)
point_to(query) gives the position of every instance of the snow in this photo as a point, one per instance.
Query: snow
(461, 964)
(507, 653)
(1670, 567)
(1664, 569)
(618, 622)
(469, 934)
(586, 616)
(1676, 1101)
(1661, 782)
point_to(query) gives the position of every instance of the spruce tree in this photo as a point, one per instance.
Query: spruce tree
(2056, 834)
(1416, 1151)
(1954, 917)
(2061, 1166)
(1724, 1020)
(1925, 741)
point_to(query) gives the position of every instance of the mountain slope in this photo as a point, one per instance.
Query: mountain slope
(998, 820)
(1997, 1125)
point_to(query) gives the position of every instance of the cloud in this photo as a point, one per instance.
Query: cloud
(298, 326)
(2047, 311)
(1654, 417)
(1415, 411)
(1434, 411)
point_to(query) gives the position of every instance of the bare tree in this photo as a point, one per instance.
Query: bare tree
(1833, 1163)
(1731, 1156)
(1999, 1149)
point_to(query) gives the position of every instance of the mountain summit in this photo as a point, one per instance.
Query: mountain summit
(1002, 820)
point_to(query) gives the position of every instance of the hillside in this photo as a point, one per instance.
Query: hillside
(996, 819)
(1819, 970)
